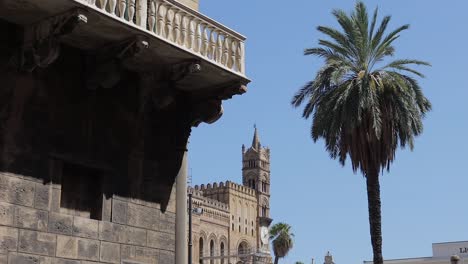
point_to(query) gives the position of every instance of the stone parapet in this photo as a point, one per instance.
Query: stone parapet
(225, 185)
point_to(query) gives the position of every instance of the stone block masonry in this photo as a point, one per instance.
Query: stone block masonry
(36, 229)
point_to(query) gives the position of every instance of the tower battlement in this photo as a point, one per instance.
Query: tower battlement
(241, 188)
(222, 185)
(208, 202)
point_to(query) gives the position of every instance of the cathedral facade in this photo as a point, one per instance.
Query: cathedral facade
(230, 221)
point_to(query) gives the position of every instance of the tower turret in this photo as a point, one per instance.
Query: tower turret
(328, 259)
(256, 167)
(256, 175)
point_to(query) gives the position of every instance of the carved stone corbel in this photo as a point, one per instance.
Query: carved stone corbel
(159, 88)
(181, 70)
(208, 111)
(105, 66)
(232, 89)
(41, 41)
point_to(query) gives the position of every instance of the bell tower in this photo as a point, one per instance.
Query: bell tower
(256, 175)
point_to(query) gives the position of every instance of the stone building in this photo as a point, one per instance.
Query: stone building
(97, 102)
(233, 225)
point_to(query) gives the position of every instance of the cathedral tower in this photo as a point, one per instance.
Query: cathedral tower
(256, 175)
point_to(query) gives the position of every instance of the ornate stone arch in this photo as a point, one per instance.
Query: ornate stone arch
(201, 247)
(213, 237)
(212, 243)
(223, 241)
(243, 246)
(222, 238)
(202, 234)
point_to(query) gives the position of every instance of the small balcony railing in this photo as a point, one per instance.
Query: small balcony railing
(181, 26)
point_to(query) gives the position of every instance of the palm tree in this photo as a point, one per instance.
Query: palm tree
(281, 237)
(364, 105)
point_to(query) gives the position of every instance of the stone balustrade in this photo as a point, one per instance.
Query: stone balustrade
(180, 26)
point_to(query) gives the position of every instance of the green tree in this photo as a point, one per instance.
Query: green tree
(282, 240)
(362, 104)
(299, 262)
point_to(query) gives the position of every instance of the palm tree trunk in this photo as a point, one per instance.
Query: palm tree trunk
(276, 260)
(375, 217)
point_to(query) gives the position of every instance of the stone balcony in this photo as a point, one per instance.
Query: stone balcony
(111, 85)
(169, 32)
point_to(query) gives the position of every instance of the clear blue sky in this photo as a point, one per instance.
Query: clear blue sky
(424, 197)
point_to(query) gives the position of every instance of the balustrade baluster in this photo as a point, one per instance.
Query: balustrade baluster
(152, 16)
(161, 17)
(191, 33)
(112, 4)
(122, 6)
(183, 30)
(212, 47)
(225, 56)
(204, 43)
(177, 22)
(169, 24)
(240, 62)
(103, 4)
(219, 46)
(232, 57)
(198, 35)
(141, 13)
(131, 10)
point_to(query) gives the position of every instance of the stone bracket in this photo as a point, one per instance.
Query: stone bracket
(41, 41)
(183, 69)
(105, 66)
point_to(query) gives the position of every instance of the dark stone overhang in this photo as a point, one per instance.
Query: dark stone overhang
(81, 87)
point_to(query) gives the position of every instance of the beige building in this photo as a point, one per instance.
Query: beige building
(233, 225)
(441, 254)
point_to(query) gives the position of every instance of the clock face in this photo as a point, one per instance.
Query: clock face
(264, 234)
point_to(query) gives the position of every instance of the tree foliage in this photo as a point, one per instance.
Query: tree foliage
(363, 104)
(282, 240)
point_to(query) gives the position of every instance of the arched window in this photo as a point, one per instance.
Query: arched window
(252, 232)
(239, 229)
(221, 251)
(264, 210)
(243, 249)
(200, 250)
(246, 230)
(232, 226)
(211, 251)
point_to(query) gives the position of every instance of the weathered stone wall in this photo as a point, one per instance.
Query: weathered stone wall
(34, 229)
(81, 182)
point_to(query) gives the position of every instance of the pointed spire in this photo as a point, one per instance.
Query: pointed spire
(256, 139)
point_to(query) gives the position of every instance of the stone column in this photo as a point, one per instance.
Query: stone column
(181, 213)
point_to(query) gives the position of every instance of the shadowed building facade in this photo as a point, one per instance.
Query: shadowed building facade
(233, 226)
(97, 102)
